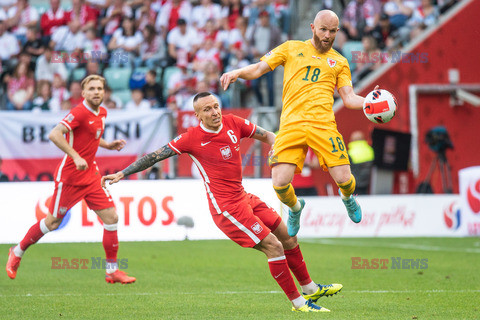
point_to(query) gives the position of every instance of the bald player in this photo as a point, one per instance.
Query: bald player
(214, 146)
(312, 70)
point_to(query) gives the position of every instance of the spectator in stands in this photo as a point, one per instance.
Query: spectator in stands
(92, 67)
(359, 18)
(384, 33)
(3, 176)
(116, 12)
(20, 17)
(182, 84)
(145, 15)
(207, 10)
(361, 161)
(9, 47)
(370, 58)
(258, 7)
(263, 37)
(399, 11)
(201, 86)
(54, 17)
(110, 100)
(169, 15)
(43, 100)
(238, 36)
(70, 39)
(207, 53)
(59, 92)
(84, 13)
(33, 45)
(241, 87)
(138, 102)
(423, 16)
(49, 64)
(93, 43)
(211, 74)
(25, 57)
(233, 11)
(20, 89)
(75, 93)
(125, 44)
(152, 90)
(182, 40)
(172, 105)
(283, 17)
(153, 52)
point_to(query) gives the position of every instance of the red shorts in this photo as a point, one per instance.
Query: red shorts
(249, 222)
(66, 196)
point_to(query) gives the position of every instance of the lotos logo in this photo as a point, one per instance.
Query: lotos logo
(451, 216)
(41, 210)
(473, 196)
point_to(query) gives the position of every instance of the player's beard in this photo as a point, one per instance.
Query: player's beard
(95, 103)
(320, 46)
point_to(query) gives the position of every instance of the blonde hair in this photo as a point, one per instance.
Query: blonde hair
(91, 78)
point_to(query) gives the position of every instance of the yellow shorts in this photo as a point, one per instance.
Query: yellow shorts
(291, 145)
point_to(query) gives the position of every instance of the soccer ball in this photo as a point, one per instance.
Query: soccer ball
(379, 106)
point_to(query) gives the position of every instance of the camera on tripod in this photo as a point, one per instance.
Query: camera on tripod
(438, 139)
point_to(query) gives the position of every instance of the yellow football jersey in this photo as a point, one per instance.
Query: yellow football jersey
(309, 81)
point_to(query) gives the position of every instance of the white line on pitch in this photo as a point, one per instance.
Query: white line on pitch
(222, 292)
(396, 246)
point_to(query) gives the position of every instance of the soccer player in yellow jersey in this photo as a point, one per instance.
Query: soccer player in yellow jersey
(312, 69)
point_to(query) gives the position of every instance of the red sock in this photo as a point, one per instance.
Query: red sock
(33, 235)
(297, 265)
(110, 244)
(281, 274)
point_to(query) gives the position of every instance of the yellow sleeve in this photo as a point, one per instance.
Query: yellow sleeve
(277, 56)
(344, 77)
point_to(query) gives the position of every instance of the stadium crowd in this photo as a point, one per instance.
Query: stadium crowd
(160, 53)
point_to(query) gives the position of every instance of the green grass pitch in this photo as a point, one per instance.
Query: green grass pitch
(220, 280)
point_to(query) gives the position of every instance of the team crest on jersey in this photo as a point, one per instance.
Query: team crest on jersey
(257, 228)
(70, 118)
(332, 63)
(99, 133)
(177, 138)
(226, 152)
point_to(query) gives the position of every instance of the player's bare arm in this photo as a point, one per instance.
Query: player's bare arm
(250, 72)
(140, 165)
(350, 99)
(113, 145)
(264, 136)
(57, 136)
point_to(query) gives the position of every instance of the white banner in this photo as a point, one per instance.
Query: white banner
(383, 216)
(24, 135)
(469, 187)
(149, 211)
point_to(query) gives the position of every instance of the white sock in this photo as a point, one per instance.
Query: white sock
(111, 267)
(310, 288)
(297, 206)
(18, 251)
(299, 302)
